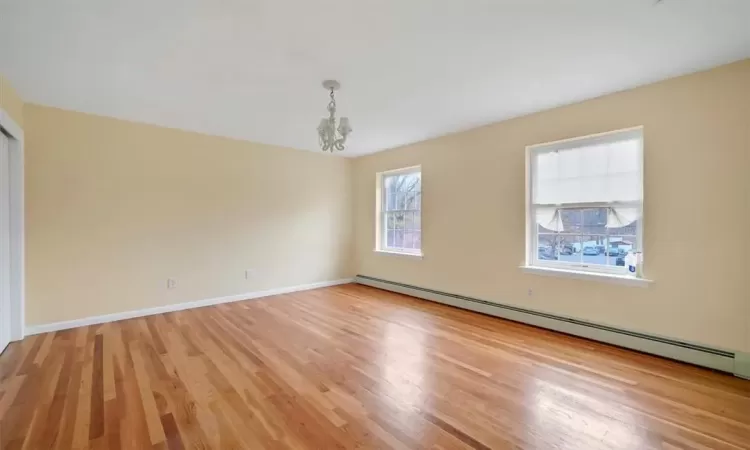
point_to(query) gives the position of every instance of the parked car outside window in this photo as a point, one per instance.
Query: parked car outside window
(590, 251)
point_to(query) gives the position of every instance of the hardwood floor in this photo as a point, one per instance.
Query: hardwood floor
(353, 367)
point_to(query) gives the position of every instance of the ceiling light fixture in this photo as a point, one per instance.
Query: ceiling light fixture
(331, 137)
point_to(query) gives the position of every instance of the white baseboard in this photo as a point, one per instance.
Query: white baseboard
(95, 320)
(682, 351)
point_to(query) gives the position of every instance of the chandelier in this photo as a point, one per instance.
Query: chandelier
(329, 136)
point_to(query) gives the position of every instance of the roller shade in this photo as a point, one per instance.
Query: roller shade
(600, 170)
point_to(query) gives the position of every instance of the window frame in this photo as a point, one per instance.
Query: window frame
(382, 216)
(532, 234)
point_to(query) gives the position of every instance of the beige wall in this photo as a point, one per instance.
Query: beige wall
(115, 208)
(696, 222)
(10, 102)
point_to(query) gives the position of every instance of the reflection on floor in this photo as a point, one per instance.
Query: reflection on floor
(353, 367)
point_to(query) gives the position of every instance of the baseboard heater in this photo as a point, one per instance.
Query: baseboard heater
(678, 350)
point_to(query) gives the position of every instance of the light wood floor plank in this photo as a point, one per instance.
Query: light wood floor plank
(354, 367)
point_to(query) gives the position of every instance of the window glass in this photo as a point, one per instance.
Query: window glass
(400, 212)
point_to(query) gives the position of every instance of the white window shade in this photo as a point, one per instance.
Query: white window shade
(595, 172)
(622, 216)
(550, 218)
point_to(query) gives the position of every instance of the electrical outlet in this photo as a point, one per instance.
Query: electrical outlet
(249, 274)
(531, 292)
(171, 283)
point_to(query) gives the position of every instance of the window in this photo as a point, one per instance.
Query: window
(400, 211)
(585, 202)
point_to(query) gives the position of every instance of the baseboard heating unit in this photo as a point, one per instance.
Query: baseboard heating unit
(726, 361)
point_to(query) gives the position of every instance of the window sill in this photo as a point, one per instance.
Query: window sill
(404, 254)
(580, 275)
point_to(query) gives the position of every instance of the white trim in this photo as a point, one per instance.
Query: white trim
(401, 171)
(596, 137)
(5, 320)
(381, 213)
(532, 256)
(582, 275)
(17, 250)
(106, 318)
(654, 347)
(10, 126)
(413, 255)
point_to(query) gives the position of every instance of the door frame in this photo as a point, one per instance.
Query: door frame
(17, 250)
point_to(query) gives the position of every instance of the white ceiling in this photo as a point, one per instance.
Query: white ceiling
(410, 69)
